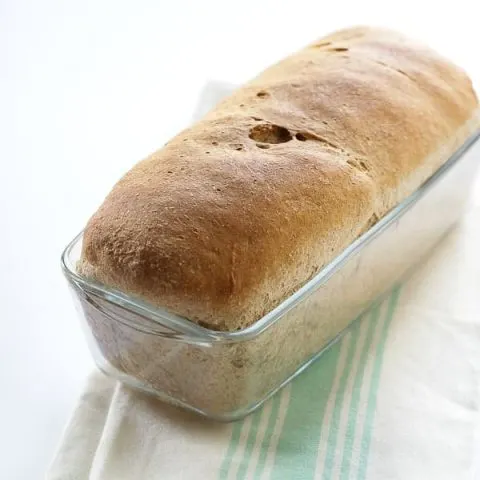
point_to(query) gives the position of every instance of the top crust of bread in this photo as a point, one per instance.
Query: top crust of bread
(237, 212)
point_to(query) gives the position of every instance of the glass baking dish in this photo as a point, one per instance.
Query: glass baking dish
(226, 375)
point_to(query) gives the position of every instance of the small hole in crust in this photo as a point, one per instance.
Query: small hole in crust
(301, 137)
(373, 220)
(364, 165)
(269, 133)
(304, 136)
(215, 143)
(262, 94)
(338, 49)
(237, 146)
(370, 223)
(358, 164)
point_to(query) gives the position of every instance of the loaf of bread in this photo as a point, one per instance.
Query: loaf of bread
(237, 212)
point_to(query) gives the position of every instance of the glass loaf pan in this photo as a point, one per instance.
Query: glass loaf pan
(225, 375)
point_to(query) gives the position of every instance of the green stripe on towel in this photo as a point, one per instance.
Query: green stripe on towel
(298, 444)
(268, 436)
(354, 404)
(372, 398)
(335, 420)
(252, 435)
(232, 448)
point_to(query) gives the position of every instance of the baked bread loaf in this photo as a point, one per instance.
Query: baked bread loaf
(237, 212)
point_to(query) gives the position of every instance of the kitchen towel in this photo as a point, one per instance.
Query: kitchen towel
(398, 397)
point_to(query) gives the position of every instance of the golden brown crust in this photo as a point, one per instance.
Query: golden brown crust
(240, 210)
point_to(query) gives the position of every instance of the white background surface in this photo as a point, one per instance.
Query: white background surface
(88, 88)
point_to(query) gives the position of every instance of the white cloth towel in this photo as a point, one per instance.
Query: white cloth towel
(402, 401)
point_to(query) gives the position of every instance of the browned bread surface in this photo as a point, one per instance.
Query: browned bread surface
(237, 212)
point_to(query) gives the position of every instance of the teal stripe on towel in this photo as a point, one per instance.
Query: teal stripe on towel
(335, 420)
(297, 447)
(372, 398)
(357, 386)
